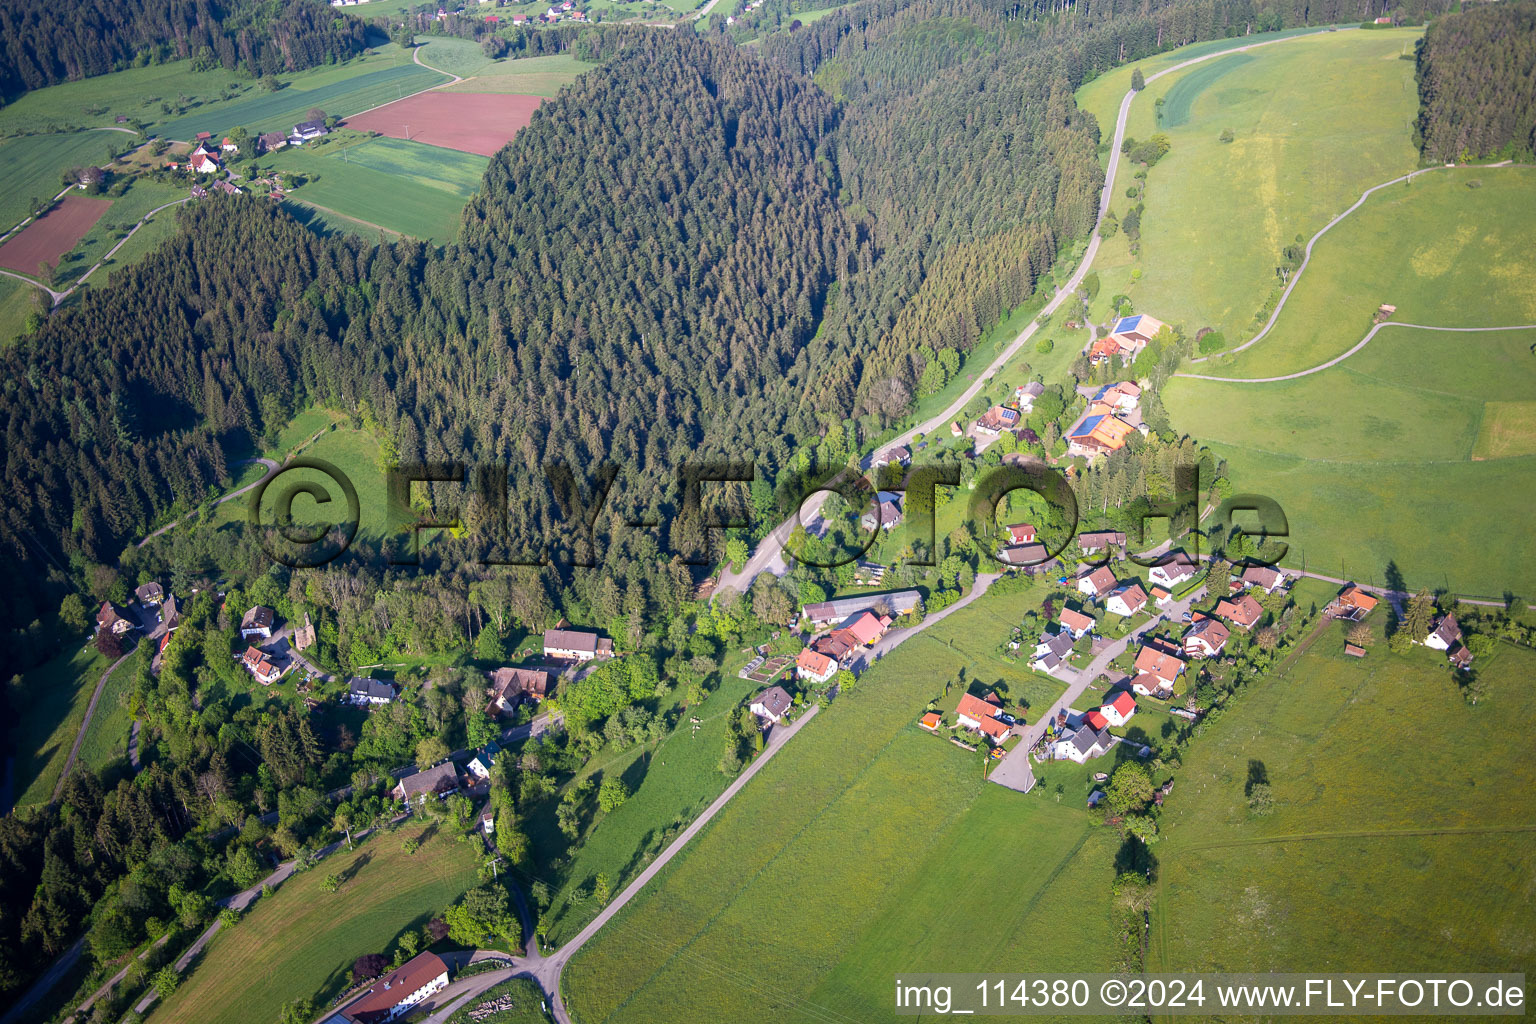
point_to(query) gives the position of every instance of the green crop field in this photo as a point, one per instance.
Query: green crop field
(1315, 122)
(31, 165)
(753, 919)
(301, 941)
(1393, 798)
(1428, 430)
(401, 186)
(529, 76)
(50, 705)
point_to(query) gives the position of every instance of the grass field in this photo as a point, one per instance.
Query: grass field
(50, 706)
(403, 187)
(754, 920)
(1430, 431)
(301, 941)
(527, 1004)
(30, 167)
(17, 301)
(531, 76)
(106, 738)
(1315, 120)
(127, 210)
(1389, 829)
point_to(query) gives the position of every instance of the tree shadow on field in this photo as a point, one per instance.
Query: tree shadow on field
(1258, 775)
(351, 870)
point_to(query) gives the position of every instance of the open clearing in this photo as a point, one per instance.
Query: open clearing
(17, 301)
(752, 920)
(1315, 121)
(532, 76)
(50, 705)
(1432, 432)
(1338, 858)
(52, 235)
(470, 122)
(301, 941)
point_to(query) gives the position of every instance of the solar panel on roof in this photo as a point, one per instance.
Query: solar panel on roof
(1127, 323)
(1088, 425)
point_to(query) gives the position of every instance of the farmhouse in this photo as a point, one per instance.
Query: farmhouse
(260, 666)
(772, 704)
(1352, 603)
(996, 420)
(1173, 569)
(1130, 334)
(897, 456)
(977, 715)
(1445, 635)
(1024, 395)
(1023, 554)
(1159, 663)
(484, 760)
(114, 619)
(510, 685)
(824, 613)
(1119, 710)
(1096, 583)
(394, 993)
(307, 130)
(887, 516)
(271, 141)
(1264, 577)
(1052, 652)
(150, 594)
(438, 781)
(1081, 744)
(1020, 533)
(204, 163)
(257, 622)
(1076, 623)
(1205, 638)
(1093, 543)
(1126, 600)
(1098, 434)
(815, 667)
(837, 645)
(576, 645)
(363, 691)
(1242, 613)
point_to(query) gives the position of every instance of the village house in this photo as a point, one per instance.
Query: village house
(1097, 435)
(576, 645)
(815, 667)
(821, 614)
(197, 191)
(1243, 613)
(363, 691)
(1205, 638)
(439, 781)
(1025, 394)
(1096, 583)
(229, 188)
(1095, 543)
(773, 704)
(511, 685)
(1160, 597)
(271, 141)
(1052, 652)
(1126, 600)
(170, 615)
(257, 621)
(1445, 635)
(897, 456)
(228, 146)
(484, 760)
(1157, 662)
(1119, 711)
(260, 666)
(1264, 577)
(1173, 569)
(996, 420)
(978, 715)
(1020, 533)
(1076, 623)
(837, 645)
(1023, 554)
(1081, 744)
(1121, 397)
(1352, 603)
(203, 161)
(888, 515)
(149, 594)
(1130, 334)
(114, 619)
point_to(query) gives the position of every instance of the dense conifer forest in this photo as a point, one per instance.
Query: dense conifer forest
(1477, 83)
(45, 43)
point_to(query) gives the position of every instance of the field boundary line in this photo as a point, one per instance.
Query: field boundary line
(1336, 360)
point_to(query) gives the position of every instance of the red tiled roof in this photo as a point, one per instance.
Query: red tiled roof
(389, 989)
(1098, 721)
(1124, 703)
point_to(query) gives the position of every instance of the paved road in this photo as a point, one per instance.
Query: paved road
(769, 554)
(1307, 258)
(271, 468)
(1014, 769)
(1336, 360)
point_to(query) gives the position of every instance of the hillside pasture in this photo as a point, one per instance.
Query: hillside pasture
(754, 919)
(1373, 832)
(17, 301)
(301, 941)
(469, 122)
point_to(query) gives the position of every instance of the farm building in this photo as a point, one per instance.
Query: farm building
(576, 645)
(821, 614)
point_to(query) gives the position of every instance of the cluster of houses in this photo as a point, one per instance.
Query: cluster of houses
(983, 715)
(860, 623)
(1112, 416)
(152, 600)
(205, 159)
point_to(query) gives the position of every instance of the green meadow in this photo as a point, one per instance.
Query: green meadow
(17, 301)
(1394, 805)
(404, 187)
(355, 453)
(530, 76)
(106, 738)
(1315, 121)
(50, 704)
(753, 920)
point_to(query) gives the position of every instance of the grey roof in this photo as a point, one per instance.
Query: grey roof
(1059, 644)
(1447, 629)
(1101, 539)
(434, 780)
(572, 640)
(1033, 388)
(370, 687)
(257, 618)
(775, 699)
(1024, 554)
(901, 602)
(149, 592)
(1085, 739)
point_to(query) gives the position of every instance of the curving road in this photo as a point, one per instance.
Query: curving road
(769, 556)
(1336, 360)
(272, 467)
